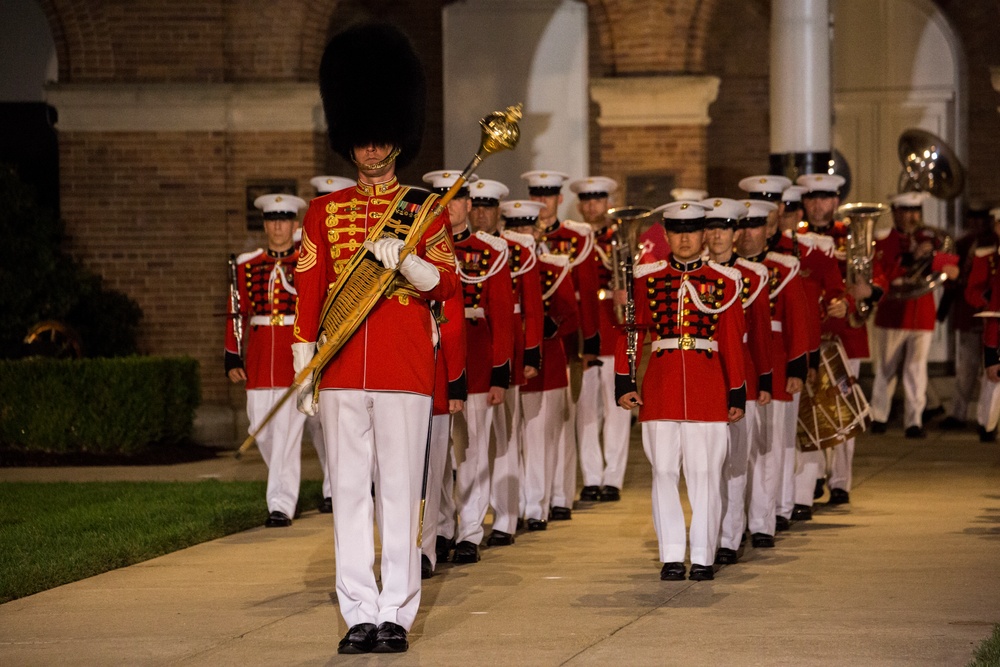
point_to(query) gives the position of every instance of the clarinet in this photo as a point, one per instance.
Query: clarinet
(631, 332)
(234, 305)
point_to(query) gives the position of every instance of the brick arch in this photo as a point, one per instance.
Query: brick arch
(82, 40)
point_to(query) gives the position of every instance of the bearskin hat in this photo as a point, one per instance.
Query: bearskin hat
(374, 91)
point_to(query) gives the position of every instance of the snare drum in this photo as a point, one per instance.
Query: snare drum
(835, 409)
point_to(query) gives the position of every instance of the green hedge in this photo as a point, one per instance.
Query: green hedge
(96, 405)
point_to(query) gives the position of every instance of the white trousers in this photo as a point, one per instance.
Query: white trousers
(599, 421)
(280, 444)
(840, 459)
(699, 448)
(910, 348)
(744, 437)
(543, 425)
(809, 466)
(446, 509)
(784, 424)
(376, 436)
(471, 435)
(505, 482)
(564, 479)
(314, 425)
(763, 475)
(988, 409)
(436, 463)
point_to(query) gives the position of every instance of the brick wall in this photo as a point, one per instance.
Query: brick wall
(678, 151)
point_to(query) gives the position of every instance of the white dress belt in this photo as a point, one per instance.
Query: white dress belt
(776, 325)
(475, 313)
(685, 343)
(272, 320)
(517, 309)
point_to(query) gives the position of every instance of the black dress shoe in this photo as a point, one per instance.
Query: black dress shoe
(590, 493)
(838, 497)
(915, 432)
(672, 572)
(952, 423)
(498, 538)
(781, 524)
(443, 547)
(326, 506)
(560, 514)
(277, 520)
(359, 639)
(537, 524)
(931, 413)
(701, 572)
(724, 557)
(819, 491)
(390, 638)
(987, 436)
(520, 524)
(762, 541)
(878, 428)
(610, 494)
(465, 552)
(426, 571)
(802, 513)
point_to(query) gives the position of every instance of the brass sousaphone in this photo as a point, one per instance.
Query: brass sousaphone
(931, 166)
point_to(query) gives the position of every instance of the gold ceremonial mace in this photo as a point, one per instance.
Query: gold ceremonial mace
(500, 131)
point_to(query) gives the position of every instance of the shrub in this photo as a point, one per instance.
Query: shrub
(106, 406)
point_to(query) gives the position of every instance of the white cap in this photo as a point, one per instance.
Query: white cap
(688, 194)
(545, 179)
(521, 209)
(765, 186)
(595, 186)
(327, 184)
(914, 199)
(995, 213)
(758, 208)
(684, 210)
(720, 207)
(793, 193)
(491, 191)
(823, 183)
(443, 179)
(280, 203)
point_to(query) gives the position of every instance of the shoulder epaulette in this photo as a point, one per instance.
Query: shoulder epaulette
(247, 256)
(556, 260)
(581, 228)
(494, 242)
(785, 260)
(526, 240)
(761, 272)
(645, 269)
(730, 272)
(985, 251)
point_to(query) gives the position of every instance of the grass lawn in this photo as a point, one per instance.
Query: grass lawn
(56, 533)
(988, 653)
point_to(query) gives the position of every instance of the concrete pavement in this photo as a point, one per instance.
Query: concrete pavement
(908, 574)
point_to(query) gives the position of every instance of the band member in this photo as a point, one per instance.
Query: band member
(375, 394)
(904, 327)
(543, 397)
(653, 245)
(489, 319)
(598, 419)
(574, 240)
(983, 293)
(450, 394)
(747, 434)
(693, 388)
(814, 203)
(267, 295)
(789, 351)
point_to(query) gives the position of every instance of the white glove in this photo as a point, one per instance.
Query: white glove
(422, 274)
(302, 354)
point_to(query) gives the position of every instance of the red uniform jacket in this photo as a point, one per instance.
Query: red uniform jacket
(391, 350)
(696, 371)
(983, 293)
(757, 313)
(789, 333)
(576, 241)
(607, 318)
(894, 256)
(489, 309)
(561, 319)
(449, 374)
(267, 309)
(529, 316)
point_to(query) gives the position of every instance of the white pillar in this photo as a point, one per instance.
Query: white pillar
(801, 109)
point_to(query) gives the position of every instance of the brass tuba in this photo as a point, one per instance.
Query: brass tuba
(862, 218)
(929, 165)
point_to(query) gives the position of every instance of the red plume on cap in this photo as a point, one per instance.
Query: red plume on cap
(374, 90)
